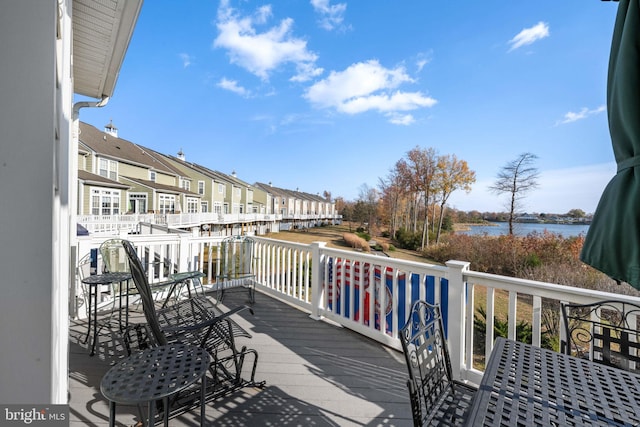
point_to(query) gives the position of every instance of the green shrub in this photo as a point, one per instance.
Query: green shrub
(524, 331)
(408, 240)
(364, 235)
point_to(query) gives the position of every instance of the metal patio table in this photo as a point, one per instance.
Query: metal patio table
(184, 278)
(525, 385)
(154, 374)
(94, 282)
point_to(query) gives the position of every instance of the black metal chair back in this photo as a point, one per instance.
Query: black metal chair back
(144, 290)
(114, 256)
(236, 266)
(436, 399)
(606, 332)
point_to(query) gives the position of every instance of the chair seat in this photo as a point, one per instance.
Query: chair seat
(437, 399)
(453, 407)
(196, 311)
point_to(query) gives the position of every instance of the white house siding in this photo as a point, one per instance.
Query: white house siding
(34, 152)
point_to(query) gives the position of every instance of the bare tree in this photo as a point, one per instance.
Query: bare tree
(516, 178)
(391, 197)
(367, 202)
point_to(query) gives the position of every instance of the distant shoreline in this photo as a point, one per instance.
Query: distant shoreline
(466, 226)
(522, 229)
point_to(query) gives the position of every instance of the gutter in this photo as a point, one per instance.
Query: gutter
(90, 104)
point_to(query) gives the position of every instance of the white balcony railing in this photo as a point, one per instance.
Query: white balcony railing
(128, 223)
(368, 294)
(117, 224)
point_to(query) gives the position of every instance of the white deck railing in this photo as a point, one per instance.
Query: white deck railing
(370, 294)
(127, 223)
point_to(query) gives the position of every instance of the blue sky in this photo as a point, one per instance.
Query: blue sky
(328, 95)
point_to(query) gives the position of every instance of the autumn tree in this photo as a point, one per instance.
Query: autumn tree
(517, 178)
(422, 166)
(452, 174)
(409, 188)
(393, 196)
(366, 205)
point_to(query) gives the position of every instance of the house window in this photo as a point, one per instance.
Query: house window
(201, 187)
(105, 202)
(137, 203)
(186, 184)
(192, 205)
(221, 188)
(238, 193)
(108, 169)
(249, 196)
(166, 203)
(152, 176)
(217, 207)
(204, 207)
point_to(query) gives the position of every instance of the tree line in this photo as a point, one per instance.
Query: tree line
(413, 195)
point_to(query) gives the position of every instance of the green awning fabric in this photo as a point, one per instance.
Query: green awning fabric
(612, 244)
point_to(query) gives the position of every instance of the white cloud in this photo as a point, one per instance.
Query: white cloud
(401, 119)
(186, 59)
(366, 86)
(580, 115)
(331, 16)
(423, 59)
(529, 35)
(232, 86)
(261, 53)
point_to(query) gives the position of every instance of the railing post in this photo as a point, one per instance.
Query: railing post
(184, 253)
(317, 270)
(456, 315)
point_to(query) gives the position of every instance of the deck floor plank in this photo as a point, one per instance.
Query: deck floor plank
(316, 373)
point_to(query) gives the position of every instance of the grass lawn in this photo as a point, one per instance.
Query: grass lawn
(332, 235)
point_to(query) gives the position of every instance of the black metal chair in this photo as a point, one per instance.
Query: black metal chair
(236, 267)
(114, 259)
(436, 398)
(606, 332)
(197, 321)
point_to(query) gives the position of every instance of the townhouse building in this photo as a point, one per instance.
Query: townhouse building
(121, 183)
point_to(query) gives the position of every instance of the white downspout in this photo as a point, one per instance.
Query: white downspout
(73, 194)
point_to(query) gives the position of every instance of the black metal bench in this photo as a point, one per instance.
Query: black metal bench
(197, 321)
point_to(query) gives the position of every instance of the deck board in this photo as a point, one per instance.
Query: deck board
(316, 373)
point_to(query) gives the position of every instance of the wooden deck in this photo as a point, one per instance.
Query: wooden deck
(316, 374)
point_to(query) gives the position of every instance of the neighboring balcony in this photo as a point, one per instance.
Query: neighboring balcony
(326, 326)
(130, 223)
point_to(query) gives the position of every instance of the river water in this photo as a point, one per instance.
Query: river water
(522, 229)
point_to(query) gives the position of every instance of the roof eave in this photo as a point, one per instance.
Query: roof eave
(96, 66)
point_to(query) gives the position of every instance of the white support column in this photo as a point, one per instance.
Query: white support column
(34, 149)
